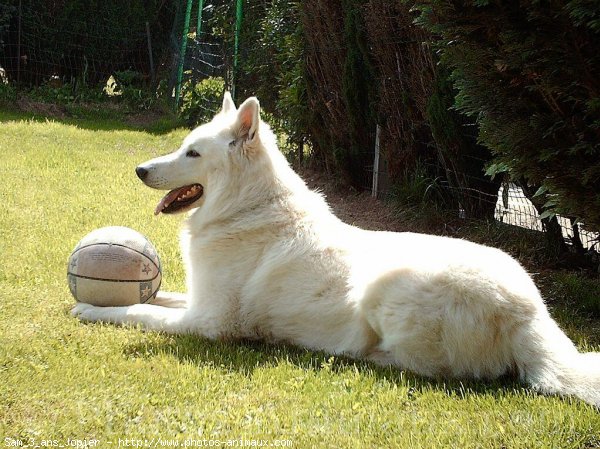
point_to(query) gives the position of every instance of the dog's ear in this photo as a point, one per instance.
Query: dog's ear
(228, 104)
(248, 120)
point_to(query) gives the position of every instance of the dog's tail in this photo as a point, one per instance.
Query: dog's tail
(549, 361)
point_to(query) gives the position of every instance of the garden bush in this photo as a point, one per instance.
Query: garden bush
(526, 72)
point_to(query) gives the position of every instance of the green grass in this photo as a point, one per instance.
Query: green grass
(582, 293)
(62, 379)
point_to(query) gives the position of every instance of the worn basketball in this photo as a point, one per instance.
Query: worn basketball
(114, 266)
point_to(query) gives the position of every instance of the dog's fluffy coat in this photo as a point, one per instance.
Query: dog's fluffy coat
(267, 259)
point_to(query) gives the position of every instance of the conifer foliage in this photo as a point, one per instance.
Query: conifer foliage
(529, 73)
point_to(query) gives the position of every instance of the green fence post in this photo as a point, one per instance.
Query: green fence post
(186, 30)
(238, 27)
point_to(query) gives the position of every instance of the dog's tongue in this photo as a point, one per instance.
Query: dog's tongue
(167, 199)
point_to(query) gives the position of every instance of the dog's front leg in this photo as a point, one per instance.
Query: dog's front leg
(170, 299)
(151, 317)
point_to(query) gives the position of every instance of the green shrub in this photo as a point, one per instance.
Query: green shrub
(65, 93)
(418, 191)
(131, 90)
(8, 93)
(460, 158)
(527, 73)
(340, 86)
(201, 101)
(272, 67)
(358, 93)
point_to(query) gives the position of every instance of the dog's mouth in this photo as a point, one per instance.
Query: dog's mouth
(180, 199)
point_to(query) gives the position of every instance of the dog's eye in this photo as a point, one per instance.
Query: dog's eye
(232, 143)
(192, 153)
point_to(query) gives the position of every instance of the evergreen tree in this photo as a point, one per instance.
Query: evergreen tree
(528, 72)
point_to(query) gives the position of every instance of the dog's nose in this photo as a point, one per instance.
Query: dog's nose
(141, 172)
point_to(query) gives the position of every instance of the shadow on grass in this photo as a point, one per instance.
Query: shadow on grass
(245, 356)
(96, 118)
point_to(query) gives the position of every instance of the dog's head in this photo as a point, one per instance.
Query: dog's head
(214, 147)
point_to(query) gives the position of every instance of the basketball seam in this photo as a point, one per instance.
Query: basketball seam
(122, 246)
(112, 280)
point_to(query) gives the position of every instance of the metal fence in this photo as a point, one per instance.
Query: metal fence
(511, 207)
(45, 45)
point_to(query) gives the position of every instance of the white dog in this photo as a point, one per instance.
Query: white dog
(266, 259)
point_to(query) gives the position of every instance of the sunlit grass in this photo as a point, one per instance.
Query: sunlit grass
(62, 379)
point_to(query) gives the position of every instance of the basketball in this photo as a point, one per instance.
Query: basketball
(114, 266)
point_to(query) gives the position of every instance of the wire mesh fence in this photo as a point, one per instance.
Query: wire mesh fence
(514, 208)
(69, 46)
(511, 206)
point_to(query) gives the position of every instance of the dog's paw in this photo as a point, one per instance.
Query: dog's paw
(85, 312)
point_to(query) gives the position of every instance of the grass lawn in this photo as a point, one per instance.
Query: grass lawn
(61, 379)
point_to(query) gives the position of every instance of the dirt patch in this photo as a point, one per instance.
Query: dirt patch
(45, 109)
(136, 119)
(351, 206)
(144, 119)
